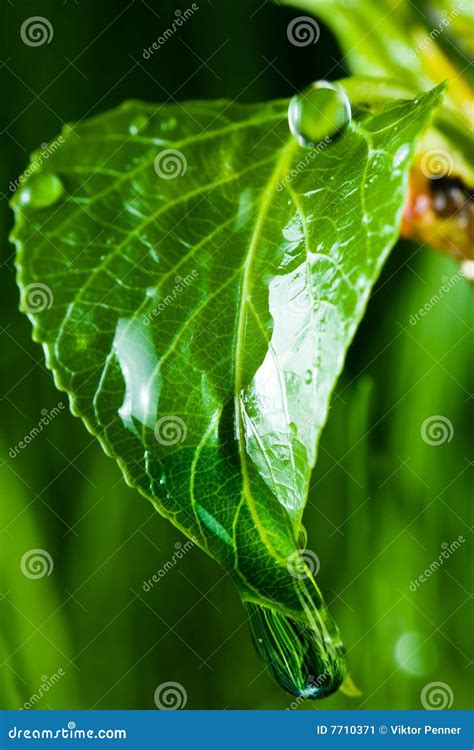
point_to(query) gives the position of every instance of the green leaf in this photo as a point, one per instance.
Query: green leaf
(196, 277)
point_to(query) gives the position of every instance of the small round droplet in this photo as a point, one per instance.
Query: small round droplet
(137, 124)
(41, 190)
(308, 376)
(319, 114)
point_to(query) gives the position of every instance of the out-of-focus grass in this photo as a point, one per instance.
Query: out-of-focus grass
(382, 503)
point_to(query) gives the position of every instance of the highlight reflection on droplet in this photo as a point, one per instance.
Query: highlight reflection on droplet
(319, 114)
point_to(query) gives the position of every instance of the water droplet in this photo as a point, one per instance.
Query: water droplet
(401, 155)
(41, 190)
(169, 124)
(301, 659)
(319, 114)
(139, 123)
(134, 349)
(308, 376)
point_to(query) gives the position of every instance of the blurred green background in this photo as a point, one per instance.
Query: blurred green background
(383, 502)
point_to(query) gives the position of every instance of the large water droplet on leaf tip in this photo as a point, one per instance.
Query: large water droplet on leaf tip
(41, 191)
(297, 656)
(319, 114)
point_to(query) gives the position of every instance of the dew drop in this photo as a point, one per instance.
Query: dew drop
(169, 124)
(308, 376)
(42, 190)
(401, 155)
(301, 658)
(319, 114)
(137, 124)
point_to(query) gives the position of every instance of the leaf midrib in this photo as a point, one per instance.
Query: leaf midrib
(268, 193)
